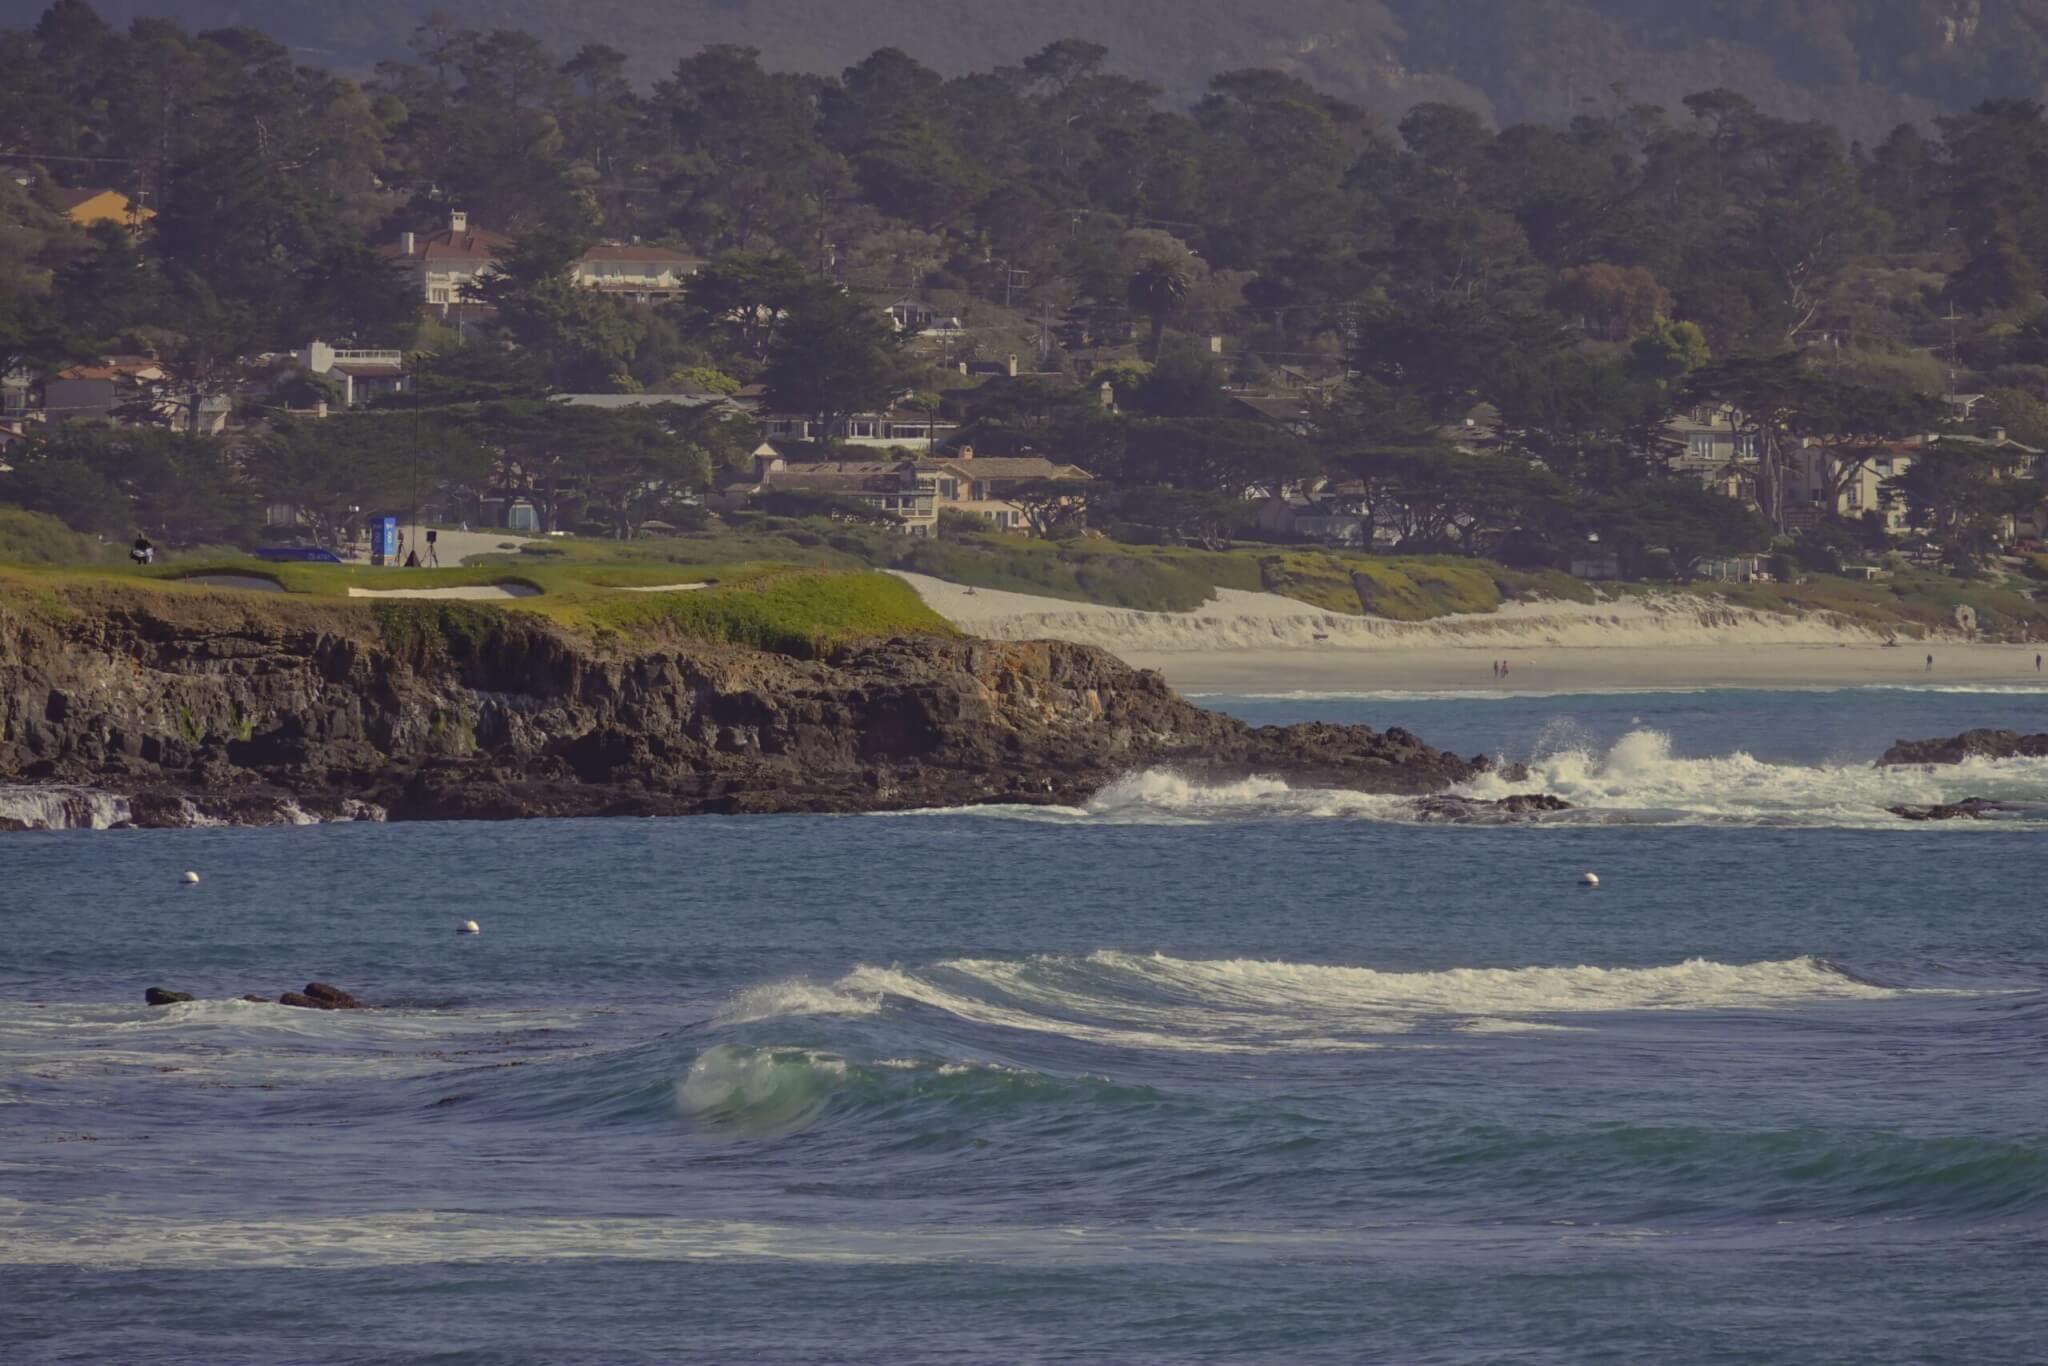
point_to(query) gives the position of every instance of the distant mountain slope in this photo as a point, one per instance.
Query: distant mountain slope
(1862, 63)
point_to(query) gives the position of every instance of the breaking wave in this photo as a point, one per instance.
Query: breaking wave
(1637, 780)
(1640, 778)
(1154, 1002)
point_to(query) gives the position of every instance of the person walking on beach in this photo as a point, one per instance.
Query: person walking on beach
(1930, 663)
(2037, 663)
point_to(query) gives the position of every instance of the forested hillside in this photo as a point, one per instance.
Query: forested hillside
(1189, 300)
(1865, 64)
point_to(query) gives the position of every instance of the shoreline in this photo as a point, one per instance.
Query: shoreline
(1467, 670)
(1244, 643)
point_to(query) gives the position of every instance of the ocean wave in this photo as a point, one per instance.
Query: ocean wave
(1157, 1003)
(734, 1091)
(1640, 777)
(794, 996)
(1637, 780)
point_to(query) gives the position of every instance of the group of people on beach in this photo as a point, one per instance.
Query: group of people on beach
(1500, 668)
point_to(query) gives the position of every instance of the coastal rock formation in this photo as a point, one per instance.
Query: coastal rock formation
(174, 710)
(1968, 809)
(1474, 811)
(321, 996)
(163, 996)
(1971, 744)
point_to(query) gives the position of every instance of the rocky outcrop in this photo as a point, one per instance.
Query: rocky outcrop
(1971, 744)
(239, 709)
(1472, 811)
(1968, 809)
(321, 996)
(164, 996)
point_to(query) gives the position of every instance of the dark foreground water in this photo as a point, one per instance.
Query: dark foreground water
(1192, 1075)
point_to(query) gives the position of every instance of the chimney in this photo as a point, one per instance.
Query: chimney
(1108, 398)
(1013, 365)
(458, 222)
(964, 453)
(1998, 435)
(408, 243)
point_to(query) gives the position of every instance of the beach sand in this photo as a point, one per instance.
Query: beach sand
(1616, 668)
(1263, 643)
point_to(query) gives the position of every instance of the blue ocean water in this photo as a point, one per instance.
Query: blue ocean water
(1192, 1074)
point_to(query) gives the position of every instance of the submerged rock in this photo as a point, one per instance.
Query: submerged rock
(1971, 744)
(163, 996)
(321, 996)
(1474, 811)
(1968, 809)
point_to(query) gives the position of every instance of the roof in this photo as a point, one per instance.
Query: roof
(846, 476)
(475, 244)
(372, 370)
(1278, 407)
(117, 368)
(695, 399)
(660, 255)
(1006, 467)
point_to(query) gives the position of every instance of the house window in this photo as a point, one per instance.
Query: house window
(438, 294)
(1745, 447)
(1855, 495)
(1700, 447)
(860, 429)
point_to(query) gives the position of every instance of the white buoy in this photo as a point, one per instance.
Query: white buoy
(1590, 880)
(469, 927)
(191, 878)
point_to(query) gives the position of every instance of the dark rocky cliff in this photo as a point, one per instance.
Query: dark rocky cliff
(222, 706)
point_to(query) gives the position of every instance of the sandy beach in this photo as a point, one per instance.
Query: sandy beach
(1263, 643)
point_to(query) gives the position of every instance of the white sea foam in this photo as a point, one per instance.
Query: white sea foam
(113, 1235)
(62, 808)
(1639, 776)
(1637, 780)
(795, 996)
(1154, 1002)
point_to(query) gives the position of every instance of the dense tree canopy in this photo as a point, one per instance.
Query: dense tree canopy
(1577, 278)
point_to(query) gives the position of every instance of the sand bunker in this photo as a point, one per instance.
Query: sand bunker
(474, 593)
(669, 588)
(247, 583)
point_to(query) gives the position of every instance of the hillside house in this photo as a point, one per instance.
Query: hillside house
(897, 427)
(360, 375)
(1707, 441)
(912, 491)
(641, 274)
(1289, 412)
(1807, 485)
(446, 264)
(89, 207)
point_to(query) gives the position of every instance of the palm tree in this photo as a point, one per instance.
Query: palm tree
(1156, 289)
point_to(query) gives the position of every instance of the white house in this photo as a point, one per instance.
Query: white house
(361, 375)
(445, 264)
(642, 274)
